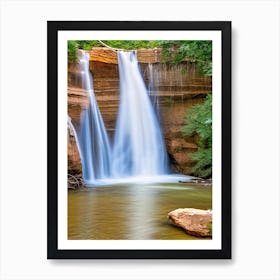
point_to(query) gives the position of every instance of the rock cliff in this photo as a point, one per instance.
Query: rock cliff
(178, 88)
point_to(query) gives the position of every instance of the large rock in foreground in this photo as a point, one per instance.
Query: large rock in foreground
(195, 222)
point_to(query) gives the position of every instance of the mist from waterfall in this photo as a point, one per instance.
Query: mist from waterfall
(94, 145)
(139, 148)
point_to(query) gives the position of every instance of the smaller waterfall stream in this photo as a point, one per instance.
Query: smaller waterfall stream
(74, 133)
(93, 139)
(153, 77)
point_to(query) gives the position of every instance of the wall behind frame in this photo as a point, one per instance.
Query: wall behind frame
(255, 139)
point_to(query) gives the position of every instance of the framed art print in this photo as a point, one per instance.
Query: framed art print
(139, 140)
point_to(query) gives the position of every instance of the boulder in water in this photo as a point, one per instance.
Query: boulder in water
(195, 222)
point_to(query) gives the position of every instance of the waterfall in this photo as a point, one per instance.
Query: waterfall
(93, 140)
(139, 148)
(74, 133)
(153, 77)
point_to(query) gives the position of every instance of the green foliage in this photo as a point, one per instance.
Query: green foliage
(72, 51)
(87, 44)
(210, 227)
(203, 157)
(198, 122)
(192, 50)
(132, 45)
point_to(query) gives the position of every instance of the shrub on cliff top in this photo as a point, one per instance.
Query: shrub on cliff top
(199, 51)
(72, 51)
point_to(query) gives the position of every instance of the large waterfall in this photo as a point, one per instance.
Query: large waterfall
(93, 140)
(139, 148)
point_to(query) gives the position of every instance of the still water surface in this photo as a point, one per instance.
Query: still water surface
(132, 211)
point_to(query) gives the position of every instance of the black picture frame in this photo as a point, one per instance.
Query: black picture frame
(53, 27)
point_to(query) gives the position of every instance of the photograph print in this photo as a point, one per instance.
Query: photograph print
(142, 140)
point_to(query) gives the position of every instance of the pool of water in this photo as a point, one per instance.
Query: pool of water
(132, 210)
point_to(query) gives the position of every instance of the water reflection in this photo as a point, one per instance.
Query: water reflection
(132, 211)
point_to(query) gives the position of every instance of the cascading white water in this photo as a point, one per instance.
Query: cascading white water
(153, 87)
(138, 153)
(74, 133)
(93, 140)
(139, 148)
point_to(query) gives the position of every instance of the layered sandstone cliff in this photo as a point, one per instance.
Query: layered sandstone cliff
(178, 88)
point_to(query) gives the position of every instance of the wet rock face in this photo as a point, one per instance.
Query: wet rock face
(195, 222)
(178, 88)
(74, 161)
